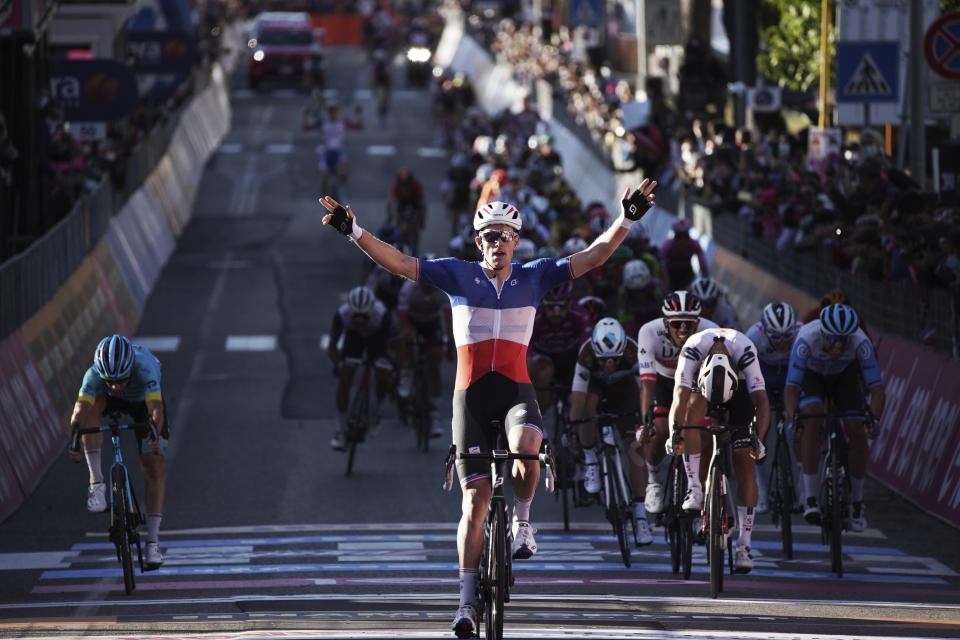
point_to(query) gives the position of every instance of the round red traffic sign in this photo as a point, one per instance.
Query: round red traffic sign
(941, 46)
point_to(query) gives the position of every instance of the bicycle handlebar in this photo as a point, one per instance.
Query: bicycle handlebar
(873, 423)
(498, 455)
(148, 426)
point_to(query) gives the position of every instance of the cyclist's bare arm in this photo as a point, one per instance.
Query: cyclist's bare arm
(81, 411)
(605, 244)
(878, 397)
(647, 390)
(578, 402)
(761, 405)
(791, 398)
(385, 255)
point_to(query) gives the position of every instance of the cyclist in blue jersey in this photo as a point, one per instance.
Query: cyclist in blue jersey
(494, 303)
(827, 355)
(125, 378)
(773, 335)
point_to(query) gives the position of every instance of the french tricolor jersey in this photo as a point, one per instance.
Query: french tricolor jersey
(492, 330)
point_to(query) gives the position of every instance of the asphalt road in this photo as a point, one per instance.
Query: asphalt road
(265, 536)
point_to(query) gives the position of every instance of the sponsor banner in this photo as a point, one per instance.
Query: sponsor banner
(917, 452)
(161, 51)
(93, 90)
(30, 432)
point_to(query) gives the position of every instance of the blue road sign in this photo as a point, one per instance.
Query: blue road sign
(868, 71)
(586, 13)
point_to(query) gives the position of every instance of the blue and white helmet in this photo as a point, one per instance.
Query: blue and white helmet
(609, 339)
(497, 213)
(113, 359)
(839, 319)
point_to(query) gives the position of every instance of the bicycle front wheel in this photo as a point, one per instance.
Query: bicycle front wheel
(836, 523)
(784, 488)
(496, 575)
(121, 531)
(715, 546)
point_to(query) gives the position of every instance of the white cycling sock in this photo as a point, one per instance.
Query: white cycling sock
(153, 526)
(93, 464)
(639, 511)
(653, 473)
(745, 515)
(590, 455)
(691, 463)
(468, 586)
(521, 508)
(856, 488)
(811, 482)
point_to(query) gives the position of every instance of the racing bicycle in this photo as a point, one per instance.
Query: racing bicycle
(676, 521)
(496, 563)
(125, 515)
(782, 492)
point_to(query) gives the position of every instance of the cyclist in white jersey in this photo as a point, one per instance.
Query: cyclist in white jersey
(333, 134)
(720, 366)
(832, 355)
(659, 342)
(773, 334)
(494, 305)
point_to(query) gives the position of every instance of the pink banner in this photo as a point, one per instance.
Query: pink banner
(917, 452)
(30, 432)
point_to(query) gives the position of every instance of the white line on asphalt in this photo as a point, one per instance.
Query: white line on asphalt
(230, 147)
(38, 560)
(159, 344)
(279, 148)
(251, 343)
(431, 152)
(381, 150)
(324, 342)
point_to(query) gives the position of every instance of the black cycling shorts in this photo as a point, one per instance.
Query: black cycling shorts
(139, 412)
(843, 389)
(492, 397)
(741, 412)
(620, 397)
(663, 396)
(355, 344)
(431, 331)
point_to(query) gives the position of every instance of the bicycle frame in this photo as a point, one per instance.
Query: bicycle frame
(782, 491)
(677, 522)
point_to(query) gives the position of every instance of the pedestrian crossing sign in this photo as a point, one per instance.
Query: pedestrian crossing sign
(867, 71)
(585, 13)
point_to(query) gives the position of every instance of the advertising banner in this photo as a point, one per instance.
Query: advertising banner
(161, 51)
(94, 90)
(917, 452)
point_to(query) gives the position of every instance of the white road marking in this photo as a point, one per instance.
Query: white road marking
(230, 147)
(431, 152)
(38, 560)
(279, 148)
(324, 342)
(251, 343)
(381, 150)
(159, 344)
(362, 94)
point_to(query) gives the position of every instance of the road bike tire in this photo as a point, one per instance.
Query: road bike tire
(836, 526)
(784, 502)
(715, 550)
(686, 546)
(121, 531)
(496, 575)
(357, 424)
(619, 511)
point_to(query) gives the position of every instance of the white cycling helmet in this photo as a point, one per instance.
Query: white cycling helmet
(636, 274)
(573, 245)
(360, 299)
(778, 318)
(497, 213)
(526, 250)
(718, 379)
(706, 289)
(681, 304)
(608, 339)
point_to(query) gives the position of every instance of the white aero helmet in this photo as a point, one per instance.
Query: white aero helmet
(360, 299)
(526, 250)
(718, 379)
(636, 274)
(608, 339)
(778, 318)
(706, 289)
(497, 213)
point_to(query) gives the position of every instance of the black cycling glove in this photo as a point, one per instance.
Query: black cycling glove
(340, 221)
(636, 205)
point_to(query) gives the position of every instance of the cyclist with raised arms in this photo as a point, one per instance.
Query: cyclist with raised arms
(715, 306)
(607, 369)
(773, 335)
(832, 353)
(367, 326)
(659, 343)
(719, 367)
(559, 328)
(125, 378)
(494, 303)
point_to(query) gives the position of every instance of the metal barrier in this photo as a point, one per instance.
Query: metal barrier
(896, 306)
(30, 279)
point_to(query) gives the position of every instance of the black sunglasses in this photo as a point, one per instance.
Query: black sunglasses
(492, 235)
(681, 324)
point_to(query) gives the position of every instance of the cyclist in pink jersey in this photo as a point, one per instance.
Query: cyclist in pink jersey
(494, 303)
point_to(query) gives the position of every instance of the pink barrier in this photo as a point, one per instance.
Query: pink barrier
(31, 436)
(917, 452)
